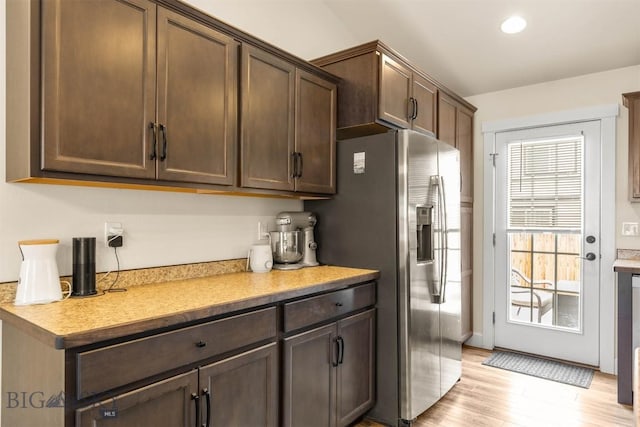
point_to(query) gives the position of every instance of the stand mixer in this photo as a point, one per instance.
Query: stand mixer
(292, 243)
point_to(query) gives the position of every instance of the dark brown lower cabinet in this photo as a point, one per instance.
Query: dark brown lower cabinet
(356, 392)
(329, 372)
(301, 362)
(238, 391)
(165, 403)
(243, 389)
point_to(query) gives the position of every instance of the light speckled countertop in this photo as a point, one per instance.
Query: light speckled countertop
(626, 266)
(80, 321)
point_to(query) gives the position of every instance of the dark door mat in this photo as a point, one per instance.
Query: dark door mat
(542, 368)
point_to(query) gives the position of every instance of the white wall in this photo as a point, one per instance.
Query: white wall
(306, 28)
(567, 94)
(160, 228)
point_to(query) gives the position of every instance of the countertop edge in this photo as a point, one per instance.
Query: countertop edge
(175, 319)
(626, 266)
(33, 330)
(622, 269)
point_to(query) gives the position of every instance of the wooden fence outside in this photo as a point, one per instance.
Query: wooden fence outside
(539, 255)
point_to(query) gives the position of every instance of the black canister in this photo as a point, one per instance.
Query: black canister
(84, 266)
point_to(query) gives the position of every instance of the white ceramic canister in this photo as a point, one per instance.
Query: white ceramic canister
(39, 281)
(260, 258)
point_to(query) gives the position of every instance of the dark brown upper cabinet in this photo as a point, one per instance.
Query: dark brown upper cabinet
(288, 126)
(145, 94)
(379, 90)
(101, 93)
(447, 119)
(98, 96)
(407, 99)
(267, 132)
(632, 102)
(425, 109)
(455, 127)
(197, 101)
(315, 134)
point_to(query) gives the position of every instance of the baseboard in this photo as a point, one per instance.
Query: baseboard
(476, 340)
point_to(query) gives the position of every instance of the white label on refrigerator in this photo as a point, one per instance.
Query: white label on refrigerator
(358, 163)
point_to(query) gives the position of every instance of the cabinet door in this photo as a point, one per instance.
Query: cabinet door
(197, 94)
(356, 372)
(447, 119)
(315, 132)
(464, 143)
(466, 255)
(310, 378)
(267, 139)
(632, 101)
(99, 97)
(165, 403)
(425, 94)
(395, 91)
(242, 390)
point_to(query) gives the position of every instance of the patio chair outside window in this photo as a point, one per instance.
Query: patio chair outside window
(526, 293)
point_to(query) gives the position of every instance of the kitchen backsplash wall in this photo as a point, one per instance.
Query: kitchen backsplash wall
(160, 228)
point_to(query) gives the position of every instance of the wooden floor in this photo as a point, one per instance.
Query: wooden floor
(487, 396)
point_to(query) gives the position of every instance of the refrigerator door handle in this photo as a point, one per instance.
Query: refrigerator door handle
(443, 238)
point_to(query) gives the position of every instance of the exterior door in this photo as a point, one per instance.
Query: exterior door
(197, 92)
(547, 223)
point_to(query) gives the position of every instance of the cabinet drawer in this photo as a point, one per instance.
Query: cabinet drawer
(110, 367)
(313, 310)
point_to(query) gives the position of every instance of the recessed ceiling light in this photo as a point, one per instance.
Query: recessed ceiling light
(513, 24)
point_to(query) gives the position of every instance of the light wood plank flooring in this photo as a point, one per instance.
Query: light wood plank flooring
(487, 396)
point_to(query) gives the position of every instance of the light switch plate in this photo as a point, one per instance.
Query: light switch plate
(629, 228)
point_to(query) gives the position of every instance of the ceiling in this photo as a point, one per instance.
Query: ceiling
(459, 42)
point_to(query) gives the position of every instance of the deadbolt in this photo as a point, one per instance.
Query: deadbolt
(591, 239)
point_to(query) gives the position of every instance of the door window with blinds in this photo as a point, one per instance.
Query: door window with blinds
(544, 225)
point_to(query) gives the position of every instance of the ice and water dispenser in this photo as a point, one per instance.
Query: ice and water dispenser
(424, 227)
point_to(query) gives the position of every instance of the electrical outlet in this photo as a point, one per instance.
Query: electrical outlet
(630, 229)
(113, 232)
(262, 231)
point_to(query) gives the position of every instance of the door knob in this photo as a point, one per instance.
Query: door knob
(590, 256)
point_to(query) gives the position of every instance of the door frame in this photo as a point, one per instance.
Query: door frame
(606, 114)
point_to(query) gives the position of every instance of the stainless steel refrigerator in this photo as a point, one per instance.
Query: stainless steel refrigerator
(397, 209)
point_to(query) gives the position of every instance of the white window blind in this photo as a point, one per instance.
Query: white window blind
(545, 184)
